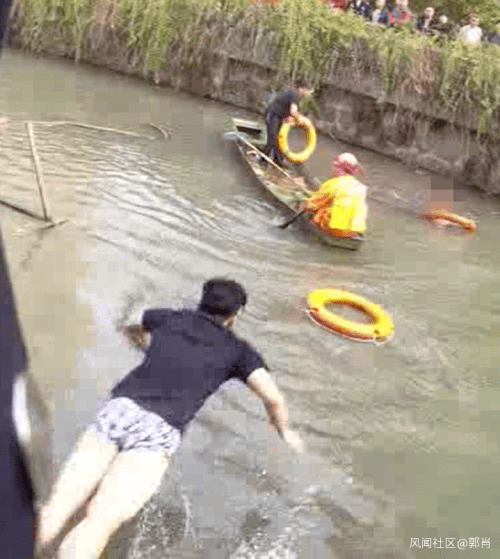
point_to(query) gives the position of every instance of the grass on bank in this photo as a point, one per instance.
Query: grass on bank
(310, 41)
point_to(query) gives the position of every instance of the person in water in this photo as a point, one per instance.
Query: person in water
(126, 451)
(283, 107)
(339, 205)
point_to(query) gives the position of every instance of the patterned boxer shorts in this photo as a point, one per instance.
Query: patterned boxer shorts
(130, 427)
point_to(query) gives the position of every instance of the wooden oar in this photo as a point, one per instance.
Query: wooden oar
(294, 218)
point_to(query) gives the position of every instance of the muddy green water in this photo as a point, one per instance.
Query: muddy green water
(414, 422)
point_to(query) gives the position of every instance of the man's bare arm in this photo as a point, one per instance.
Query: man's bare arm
(294, 111)
(295, 116)
(264, 386)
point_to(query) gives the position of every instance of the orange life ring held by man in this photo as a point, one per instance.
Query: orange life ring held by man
(465, 223)
(380, 329)
(304, 124)
(339, 206)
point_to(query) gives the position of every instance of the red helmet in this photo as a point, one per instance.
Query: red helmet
(345, 164)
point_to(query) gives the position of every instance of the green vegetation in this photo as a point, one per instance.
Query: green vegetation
(309, 41)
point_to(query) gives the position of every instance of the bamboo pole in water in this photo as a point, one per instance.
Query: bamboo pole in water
(38, 171)
(83, 125)
(21, 210)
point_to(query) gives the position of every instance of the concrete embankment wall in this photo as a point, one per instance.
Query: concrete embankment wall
(234, 64)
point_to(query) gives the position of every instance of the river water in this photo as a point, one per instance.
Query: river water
(412, 423)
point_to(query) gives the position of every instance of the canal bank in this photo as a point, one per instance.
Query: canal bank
(239, 61)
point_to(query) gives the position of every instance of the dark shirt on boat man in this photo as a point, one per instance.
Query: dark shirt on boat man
(283, 107)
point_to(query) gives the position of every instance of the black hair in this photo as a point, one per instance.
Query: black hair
(222, 297)
(302, 83)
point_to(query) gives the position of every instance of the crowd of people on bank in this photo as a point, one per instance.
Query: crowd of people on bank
(398, 12)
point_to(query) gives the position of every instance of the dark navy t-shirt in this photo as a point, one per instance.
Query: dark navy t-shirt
(190, 356)
(16, 491)
(281, 104)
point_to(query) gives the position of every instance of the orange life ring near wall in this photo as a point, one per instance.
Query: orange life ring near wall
(465, 223)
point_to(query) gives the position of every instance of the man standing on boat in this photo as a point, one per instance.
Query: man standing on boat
(283, 107)
(125, 453)
(339, 205)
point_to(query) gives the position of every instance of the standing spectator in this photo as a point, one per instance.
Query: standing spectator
(401, 14)
(379, 16)
(495, 36)
(472, 33)
(426, 22)
(359, 7)
(337, 5)
(444, 27)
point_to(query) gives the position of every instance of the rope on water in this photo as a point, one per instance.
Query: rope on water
(166, 135)
(371, 340)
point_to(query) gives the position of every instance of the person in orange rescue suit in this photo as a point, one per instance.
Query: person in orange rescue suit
(339, 205)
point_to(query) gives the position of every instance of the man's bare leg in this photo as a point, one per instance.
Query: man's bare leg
(131, 480)
(77, 481)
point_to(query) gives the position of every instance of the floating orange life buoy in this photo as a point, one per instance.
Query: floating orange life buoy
(381, 328)
(465, 223)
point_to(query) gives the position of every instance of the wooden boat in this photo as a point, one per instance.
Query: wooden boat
(250, 138)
